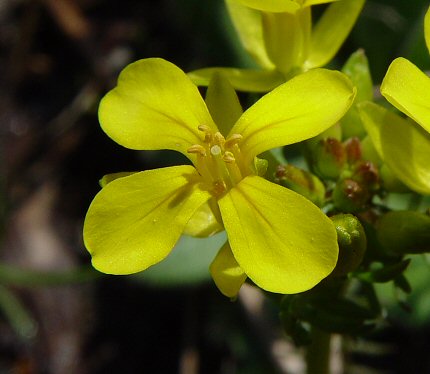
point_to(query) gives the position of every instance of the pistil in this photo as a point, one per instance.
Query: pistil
(217, 160)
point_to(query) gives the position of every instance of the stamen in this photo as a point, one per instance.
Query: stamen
(228, 157)
(233, 140)
(197, 148)
(204, 128)
(219, 139)
(220, 162)
(208, 133)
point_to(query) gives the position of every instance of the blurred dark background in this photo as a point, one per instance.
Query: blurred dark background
(57, 59)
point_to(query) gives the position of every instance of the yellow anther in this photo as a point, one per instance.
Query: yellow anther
(204, 128)
(232, 140)
(208, 133)
(228, 157)
(219, 139)
(197, 148)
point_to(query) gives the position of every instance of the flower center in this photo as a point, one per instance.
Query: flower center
(219, 161)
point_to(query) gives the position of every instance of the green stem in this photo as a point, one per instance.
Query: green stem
(16, 276)
(318, 353)
(17, 315)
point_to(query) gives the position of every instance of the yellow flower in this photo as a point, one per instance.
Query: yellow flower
(278, 34)
(401, 143)
(408, 88)
(277, 238)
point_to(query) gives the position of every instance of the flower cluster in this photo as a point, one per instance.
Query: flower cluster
(276, 236)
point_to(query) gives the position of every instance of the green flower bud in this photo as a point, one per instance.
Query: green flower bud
(353, 149)
(334, 132)
(352, 243)
(301, 182)
(329, 158)
(365, 172)
(350, 196)
(404, 232)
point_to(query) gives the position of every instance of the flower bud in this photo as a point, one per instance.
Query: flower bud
(301, 182)
(353, 150)
(329, 158)
(365, 172)
(403, 232)
(352, 243)
(350, 196)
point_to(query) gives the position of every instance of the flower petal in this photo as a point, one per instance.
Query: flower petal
(154, 106)
(223, 103)
(226, 272)
(276, 6)
(408, 89)
(203, 223)
(285, 38)
(427, 28)
(404, 146)
(315, 2)
(248, 80)
(282, 241)
(331, 31)
(111, 177)
(247, 23)
(135, 221)
(297, 110)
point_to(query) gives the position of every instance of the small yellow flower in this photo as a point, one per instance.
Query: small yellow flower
(280, 37)
(408, 88)
(277, 238)
(401, 143)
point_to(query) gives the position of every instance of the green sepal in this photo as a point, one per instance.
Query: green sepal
(357, 69)
(302, 182)
(402, 232)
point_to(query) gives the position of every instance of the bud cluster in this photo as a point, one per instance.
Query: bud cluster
(356, 180)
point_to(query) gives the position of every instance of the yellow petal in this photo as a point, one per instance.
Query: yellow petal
(427, 28)
(111, 177)
(154, 106)
(226, 272)
(282, 241)
(297, 110)
(331, 31)
(290, 6)
(135, 221)
(223, 103)
(284, 39)
(247, 23)
(203, 223)
(403, 145)
(408, 89)
(248, 80)
(315, 2)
